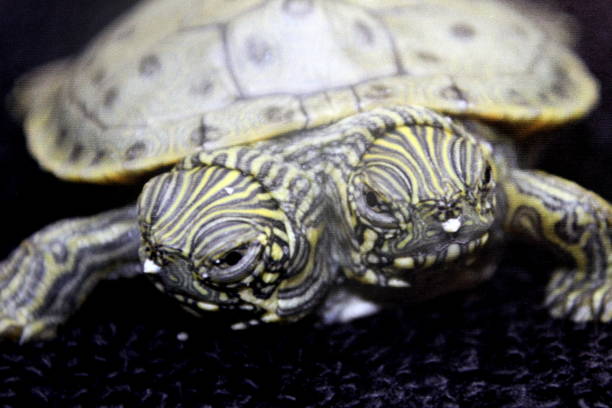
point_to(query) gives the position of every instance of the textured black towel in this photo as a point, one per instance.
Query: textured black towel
(494, 346)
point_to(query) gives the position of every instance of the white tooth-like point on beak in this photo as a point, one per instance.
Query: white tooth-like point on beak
(151, 267)
(451, 225)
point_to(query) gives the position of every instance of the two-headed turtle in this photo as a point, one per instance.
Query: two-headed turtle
(315, 136)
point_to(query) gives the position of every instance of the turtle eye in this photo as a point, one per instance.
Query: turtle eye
(486, 178)
(229, 259)
(374, 209)
(236, 264)
(372, 200)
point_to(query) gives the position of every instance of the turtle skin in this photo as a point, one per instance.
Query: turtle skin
(210, 84)
(420, 204)
(214, 231)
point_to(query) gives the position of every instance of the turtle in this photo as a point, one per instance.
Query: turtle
(285, 145)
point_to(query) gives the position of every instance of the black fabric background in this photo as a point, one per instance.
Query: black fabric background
(493, 346)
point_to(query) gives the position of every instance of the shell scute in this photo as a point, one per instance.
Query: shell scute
(175, 77)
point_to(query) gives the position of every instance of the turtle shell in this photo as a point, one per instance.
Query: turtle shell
(172, 77)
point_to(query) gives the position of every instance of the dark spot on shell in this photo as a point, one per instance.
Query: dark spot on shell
(202, 88)
(453, 92)
(100, 155)
(297, 8)
(516, 97)
(149, 65)
(76, 152)
(364, 32)
(378, 91)
(258, 50)
(427, 56)
(561, 82)
(463, 31)
(198, 136)
(62, 135)
(544, 97)
(110, 97)
(278, 114)
(98, 77)
(135, 151)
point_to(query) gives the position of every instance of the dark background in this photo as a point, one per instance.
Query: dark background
(493, 346)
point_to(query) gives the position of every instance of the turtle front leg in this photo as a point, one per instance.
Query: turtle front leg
(575, 222)
(49, 275)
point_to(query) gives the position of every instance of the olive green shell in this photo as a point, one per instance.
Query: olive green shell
(172, 76)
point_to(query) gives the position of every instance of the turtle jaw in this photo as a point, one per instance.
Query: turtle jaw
(195, 296)
(448, 254)
(398, 271)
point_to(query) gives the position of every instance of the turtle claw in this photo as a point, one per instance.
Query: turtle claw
(581, 300)
(24, 330)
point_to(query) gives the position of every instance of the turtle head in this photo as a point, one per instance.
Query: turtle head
(421, 197)
(217, 239)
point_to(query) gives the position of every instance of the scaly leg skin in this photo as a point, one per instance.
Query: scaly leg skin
(49, 275)
(575, 222)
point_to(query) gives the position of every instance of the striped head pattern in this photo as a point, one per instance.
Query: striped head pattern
(216, 238)
(423, 195)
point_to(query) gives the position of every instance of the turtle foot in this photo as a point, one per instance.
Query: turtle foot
(23, 329)
(580, 300)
